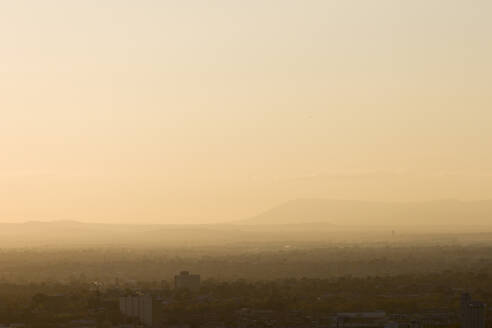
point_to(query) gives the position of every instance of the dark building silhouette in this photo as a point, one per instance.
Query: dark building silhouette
(472, 312)
(143, 308)
(185, 280)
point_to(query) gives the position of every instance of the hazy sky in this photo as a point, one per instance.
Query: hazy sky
(213, 110)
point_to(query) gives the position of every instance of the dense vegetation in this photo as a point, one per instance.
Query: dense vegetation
(45, 287)
(106, 265)
(49, 303)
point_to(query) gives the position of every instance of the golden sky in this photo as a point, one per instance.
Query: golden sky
(213, 110)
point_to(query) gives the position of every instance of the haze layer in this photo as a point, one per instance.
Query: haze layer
(204, 111)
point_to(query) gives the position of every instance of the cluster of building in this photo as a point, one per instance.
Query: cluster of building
(146, 310)
(472, 315)
(384, 320)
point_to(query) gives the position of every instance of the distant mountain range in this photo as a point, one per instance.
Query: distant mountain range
(72, 233)
(303, 220)
(349, 213)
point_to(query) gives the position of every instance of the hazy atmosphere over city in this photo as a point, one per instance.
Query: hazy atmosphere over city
(122, 111)
(245, 163)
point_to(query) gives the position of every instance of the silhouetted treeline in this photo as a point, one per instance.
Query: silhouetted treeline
(128, 266)
(47, 304)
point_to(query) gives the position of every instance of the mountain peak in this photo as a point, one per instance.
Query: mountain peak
(356, 212)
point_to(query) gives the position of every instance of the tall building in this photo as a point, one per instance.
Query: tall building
(143, 308)
(185, 280)
(472, 312)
